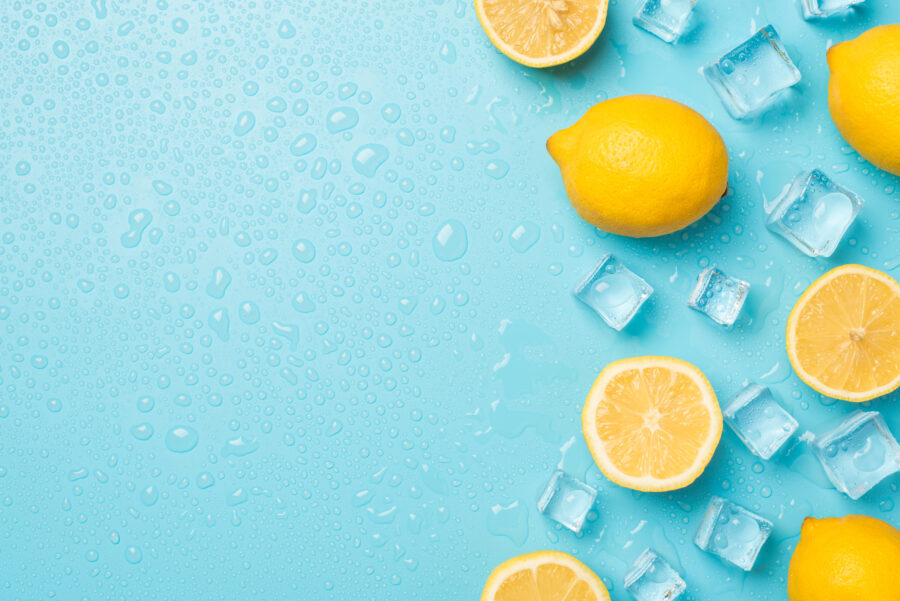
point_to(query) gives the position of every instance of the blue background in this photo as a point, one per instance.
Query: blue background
(371, 422)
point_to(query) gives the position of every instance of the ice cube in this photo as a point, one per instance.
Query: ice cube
(751, 75)
(859, 453)
(613, 291)
(719, 295)
(759, 421)
(567, 500)
(814, 213)
(653, 579)
(666, 19)
(813, 9)
(732, 533)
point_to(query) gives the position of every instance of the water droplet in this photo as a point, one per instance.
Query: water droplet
(524, 236)
(219, 283)
(448, 52)
(142, 431)
(171, 282)
(60, 49)
(303, 144)
(450, 242)
(341, 119)
(245, 122)
(286, 30)
(237, 497)
(303, 250)
(368, 159)
(390, 112)
(138, 221)
(145, 404)
(181, 439)
(510, 521)
(133, 555)
(149, 495)
(248, 312)
(220, 324)
(497, 169)
(239, 447)
(162, 188)
(302, 303)
(179, 25)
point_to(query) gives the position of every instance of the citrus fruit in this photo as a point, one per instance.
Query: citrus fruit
(853, 558)
(542, 33)
(843, 335)
(641, 165)
(543, 576)
(651, 423)
(864, 94)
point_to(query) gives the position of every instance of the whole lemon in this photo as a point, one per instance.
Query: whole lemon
(641, 165)
(853, 558)
(864, 94)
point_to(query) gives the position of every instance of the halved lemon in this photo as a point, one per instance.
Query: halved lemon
(652, 423)
(843, 335)
(543, 576)
(542, 33)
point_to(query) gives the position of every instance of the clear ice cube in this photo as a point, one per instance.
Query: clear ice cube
(567, 500)
(666, 19)
(813, 9)
(751, 75)
(719, 295)
(613, 291)
(732, 533)
(759, 421)
(814, 213)
(653, 579)
(859, 453)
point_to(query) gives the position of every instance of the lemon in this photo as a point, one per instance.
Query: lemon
(853, 558)
(651, 423)
(864, 94)
(843, 335)
(542, 33)
(543, 576)
(641, 165)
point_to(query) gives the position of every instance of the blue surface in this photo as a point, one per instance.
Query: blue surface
(221, 217)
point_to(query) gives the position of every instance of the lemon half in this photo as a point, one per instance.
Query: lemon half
(542, 33)
(543, 576)
(652, 423)
(843, 335)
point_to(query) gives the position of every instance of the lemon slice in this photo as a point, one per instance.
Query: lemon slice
(543, 576)
(652, 423)
(542, 33)
(843, 335)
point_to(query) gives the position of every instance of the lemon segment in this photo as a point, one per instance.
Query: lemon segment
(543, 576)
(641, 165)
(853, 558)
(864, 94)
(652, 423)
(542, 33)
(843, 335)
